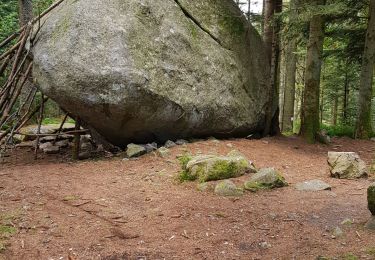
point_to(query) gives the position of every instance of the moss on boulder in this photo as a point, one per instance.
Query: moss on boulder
(211, 168)
(266, 178)
(228, 188)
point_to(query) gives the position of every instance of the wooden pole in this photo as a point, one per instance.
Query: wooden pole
(77, 140)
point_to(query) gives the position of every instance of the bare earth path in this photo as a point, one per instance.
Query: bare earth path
(115, 209)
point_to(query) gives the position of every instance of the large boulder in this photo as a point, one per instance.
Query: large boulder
(346, 165)
(138, 71)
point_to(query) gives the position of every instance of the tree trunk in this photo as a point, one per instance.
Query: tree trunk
(310, 124)
(271, 39)
(25, 13)
(269, 10)
(363, 127)
(25, 8)
(334, 110)
(290, 81)
(346, 97)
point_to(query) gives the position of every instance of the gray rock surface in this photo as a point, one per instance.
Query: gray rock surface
(313, 185)
(53, 149)
(346, 165)
(134, 150)
(169, 144)
(228, 188)
(163, 152)
(213, 167)
(139, 71)
(371, 224)
(265, 178)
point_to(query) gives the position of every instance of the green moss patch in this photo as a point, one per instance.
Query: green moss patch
(222, 170)
(7, 231)
(267, 178)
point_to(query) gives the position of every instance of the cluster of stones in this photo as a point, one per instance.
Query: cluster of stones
(210, 168)
(55, 144)
(136, 150)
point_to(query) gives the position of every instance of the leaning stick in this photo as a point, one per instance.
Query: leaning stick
(39, 127)
(60, 128)
(23, 121)
(15, 95)
(4, 65)
(10, 51)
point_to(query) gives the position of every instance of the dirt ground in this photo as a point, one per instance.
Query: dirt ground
(135, 209)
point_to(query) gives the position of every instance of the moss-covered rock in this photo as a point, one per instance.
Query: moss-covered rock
(134, 150)
(228, 188)
(205, 186)
(266, 178)
(371, 198)
(210, 167)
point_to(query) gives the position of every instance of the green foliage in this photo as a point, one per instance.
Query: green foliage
(339, 130)
(184, 175)
(9, 17)
(222, 170)
(349, 256)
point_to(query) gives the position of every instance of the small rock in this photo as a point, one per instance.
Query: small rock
(169, 144)
(46, 139)
(346, 165)
(347, 222)
(84, 155)
(265, 245)
(63, 143)
(371, 224)
(51, 150)
(323, 137)
(163, 152)
(228, 188)
(85, 138)
(134, 150)
(313, 185)
(45, 145)
(266, 178)
(230, 145)
(205, 186)
(181, 142)
(86, 146)
(151, 147)
(337, 232)
(373, 139)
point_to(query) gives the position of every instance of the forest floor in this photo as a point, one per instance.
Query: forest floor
(135, 209)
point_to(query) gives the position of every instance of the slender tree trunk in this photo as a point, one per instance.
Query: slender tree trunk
(25, 11)
(310, 124)
(272, 43)
(363, 127)
(346, 97)
(334, 110)
(269, 10)
(290, 74)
